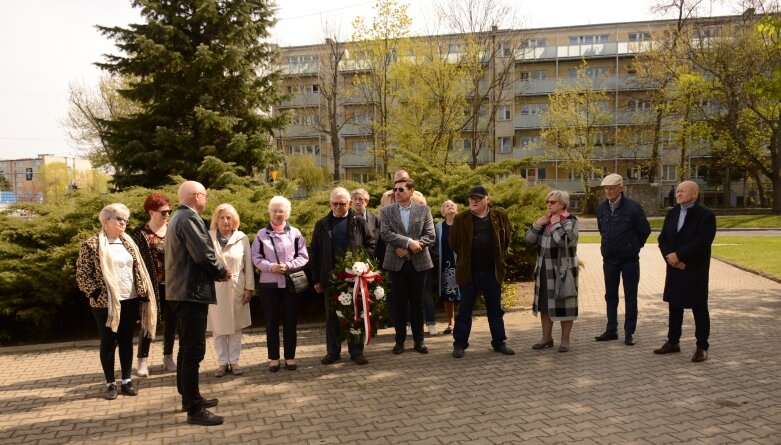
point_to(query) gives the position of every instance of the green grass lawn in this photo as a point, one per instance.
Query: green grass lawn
(761, 254)
(734, 222)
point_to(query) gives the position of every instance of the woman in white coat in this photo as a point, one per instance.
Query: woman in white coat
(231, 313)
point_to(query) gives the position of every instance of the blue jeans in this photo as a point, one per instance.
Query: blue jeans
(492, 292)
(631, 276)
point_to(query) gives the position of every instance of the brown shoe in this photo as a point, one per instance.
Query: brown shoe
(700, 355)
(668, 348)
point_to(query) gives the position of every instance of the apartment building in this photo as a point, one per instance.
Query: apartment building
(24, 175)
(538, 61)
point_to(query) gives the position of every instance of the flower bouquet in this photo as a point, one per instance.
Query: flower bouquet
(357, 297)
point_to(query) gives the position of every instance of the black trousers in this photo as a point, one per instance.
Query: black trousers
(332, 344)
(279, 305)
(123, 338)
(169, 330)
(191, 324)
(407, 286)
(701, 325)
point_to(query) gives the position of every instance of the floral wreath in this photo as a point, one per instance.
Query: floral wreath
(356, 284)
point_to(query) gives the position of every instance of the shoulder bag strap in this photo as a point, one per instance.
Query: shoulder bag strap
(275, 247)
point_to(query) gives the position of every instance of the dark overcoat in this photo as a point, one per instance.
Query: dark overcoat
(689, 287)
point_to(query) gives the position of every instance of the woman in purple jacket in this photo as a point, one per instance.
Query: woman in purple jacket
(279, 249)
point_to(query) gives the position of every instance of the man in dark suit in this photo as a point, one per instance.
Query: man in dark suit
(191, 267)
(408, 231)
(359, 202)
(685, 242)
(336, 233)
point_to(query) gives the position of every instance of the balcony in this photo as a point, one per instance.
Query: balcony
(356, 129)
(606, 49)
(623, 82)
(300, 131)
(353, 160)
(301, 100)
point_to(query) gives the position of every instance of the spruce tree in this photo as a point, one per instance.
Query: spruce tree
(204, 81)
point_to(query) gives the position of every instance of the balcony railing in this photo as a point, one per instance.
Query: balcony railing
(623, 82)
(356, 160)
(582, 51)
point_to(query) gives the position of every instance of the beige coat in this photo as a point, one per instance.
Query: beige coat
(229, 315)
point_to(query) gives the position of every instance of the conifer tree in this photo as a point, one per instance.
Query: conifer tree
(204, 82)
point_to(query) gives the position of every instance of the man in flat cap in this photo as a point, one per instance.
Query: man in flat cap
(624, 229)
(480, 238)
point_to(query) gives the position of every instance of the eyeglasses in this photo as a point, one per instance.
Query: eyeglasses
(120, 219)
(400, 190)
(338, 204)
(164, 212)
(552, 202)
(205, 196)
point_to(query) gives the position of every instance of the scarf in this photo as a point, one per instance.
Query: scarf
(148, 308)
(564, 215)
(279, 229)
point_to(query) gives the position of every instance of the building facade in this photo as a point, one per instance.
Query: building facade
(538, 61)
(24, 174)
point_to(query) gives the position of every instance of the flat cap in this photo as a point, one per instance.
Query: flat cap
(612, 179)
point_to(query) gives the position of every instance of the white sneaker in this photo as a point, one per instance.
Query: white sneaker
(432, 329)
(168, 363)
(409, 330)
(143, 368)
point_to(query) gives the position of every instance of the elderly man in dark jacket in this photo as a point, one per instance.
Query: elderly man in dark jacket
(191, 267)
(336, 233)
(624, 229)
(685, 242)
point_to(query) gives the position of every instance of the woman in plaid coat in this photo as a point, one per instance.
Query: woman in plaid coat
(556, 234)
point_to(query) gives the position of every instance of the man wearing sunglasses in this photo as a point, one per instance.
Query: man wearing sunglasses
(408, 230)
(336, 233)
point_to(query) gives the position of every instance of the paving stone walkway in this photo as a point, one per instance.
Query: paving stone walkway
(600, 393)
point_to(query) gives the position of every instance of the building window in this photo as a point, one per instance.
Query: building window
(638, 105)
(504, 112)
(29, 173)
(592, 73)
(314, 89)
(360, 177)
(699, 171)
(533, 43)
(669, 172)
(589, 39)
(533, 174)
(533, 109)
(305, 119)
(362, 117)
(533, 75)
(637, 172)
(505, 144)
(361, 147)
(312, 150)
(530, 141)
(505, 50)
(640, 36)
(454, 48)
(303, 59)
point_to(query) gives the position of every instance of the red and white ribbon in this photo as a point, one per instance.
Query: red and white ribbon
(362, 278)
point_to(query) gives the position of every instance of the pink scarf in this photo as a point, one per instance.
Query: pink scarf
(564, 215)
(278, 229)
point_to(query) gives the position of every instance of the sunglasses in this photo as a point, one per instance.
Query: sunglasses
(338, 204)
(552, 202)
(400, 189)
(164, 212)
(120, 219)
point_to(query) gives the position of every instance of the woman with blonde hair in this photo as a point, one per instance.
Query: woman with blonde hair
(113, 276)
(448, 288)
(556, 235)
(231, 314)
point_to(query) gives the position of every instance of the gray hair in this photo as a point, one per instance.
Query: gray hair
(235, 220)
(448, 201)
(279, 200)
(340, 191)
(362, 193)
(561, 195)
(111, 210)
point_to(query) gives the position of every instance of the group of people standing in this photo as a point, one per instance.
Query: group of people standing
(197, 279)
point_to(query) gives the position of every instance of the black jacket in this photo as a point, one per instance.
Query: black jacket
(624, 231)
(191, 265)
(320, 256)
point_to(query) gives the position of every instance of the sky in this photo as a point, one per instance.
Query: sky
(45, 45)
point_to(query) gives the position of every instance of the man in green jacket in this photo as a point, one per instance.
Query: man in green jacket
(482, 234)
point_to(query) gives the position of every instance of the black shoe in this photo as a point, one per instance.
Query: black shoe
(398, 349)
(111, 392)
(330, 358)
(359, 359)
(629, 340)
(448, 330)
(606, 336)
(273, 368)
(420, 347)
(504, 349)
(205, 403)
(291, 366)
(458, 352)
(546, 345)
(204, 417)
(128, 389)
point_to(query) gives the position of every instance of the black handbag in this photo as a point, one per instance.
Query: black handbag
(296, 282)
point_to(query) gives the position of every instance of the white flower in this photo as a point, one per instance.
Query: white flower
(355, 331)
(345, 298)
(379, 293)
(360, 267)
(339, 314)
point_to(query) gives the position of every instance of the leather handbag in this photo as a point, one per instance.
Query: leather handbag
(296, 282)
(565, 279)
